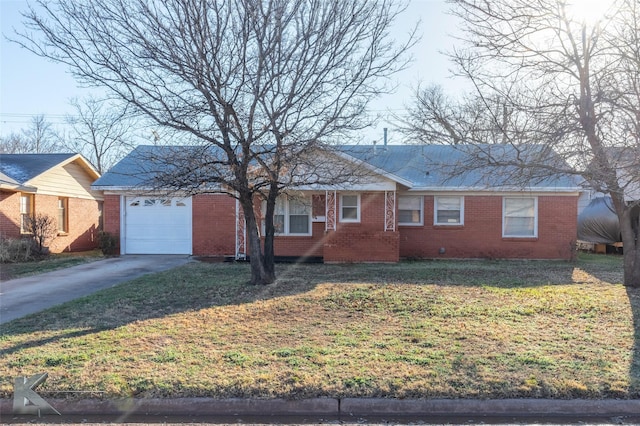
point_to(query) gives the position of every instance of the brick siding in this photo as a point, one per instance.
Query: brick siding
(481, 234)
(214, 230)
(366, 241)
(83, 215)
(214, 225)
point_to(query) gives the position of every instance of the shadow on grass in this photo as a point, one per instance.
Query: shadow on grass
(634, 368)
(198, 286)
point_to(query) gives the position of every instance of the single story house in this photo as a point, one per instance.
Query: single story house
(57, 185)
(409, 207)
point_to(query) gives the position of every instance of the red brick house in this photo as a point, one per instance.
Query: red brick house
(57, 185)
(409, 209)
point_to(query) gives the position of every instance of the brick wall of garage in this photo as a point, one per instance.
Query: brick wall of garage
(214, 225)
(111, 217)
(481, 234)
(366, 241)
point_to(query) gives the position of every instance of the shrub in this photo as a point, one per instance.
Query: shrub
(108, 243)
(20, 250)
(43, 228)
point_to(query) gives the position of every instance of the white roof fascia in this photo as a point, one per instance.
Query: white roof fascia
(493, 189)
(389, 185)
(119, 189)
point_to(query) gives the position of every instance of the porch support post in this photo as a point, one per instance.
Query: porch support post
(390, 211)
(330, 210)
(241, 233)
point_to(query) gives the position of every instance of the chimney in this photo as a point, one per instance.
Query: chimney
(385, 138)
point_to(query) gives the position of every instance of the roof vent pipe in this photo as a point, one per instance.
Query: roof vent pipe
(385, 138)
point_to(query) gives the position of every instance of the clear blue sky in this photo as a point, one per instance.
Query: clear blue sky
(30, 85)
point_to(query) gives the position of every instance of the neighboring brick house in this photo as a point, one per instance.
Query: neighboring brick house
(57, 185)
(408, 208)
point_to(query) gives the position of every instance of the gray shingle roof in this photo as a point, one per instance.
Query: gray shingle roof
(422, 166)
(459, 167)
(140, 165)
(24, 167)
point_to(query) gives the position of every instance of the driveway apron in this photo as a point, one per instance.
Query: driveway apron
(24, 296)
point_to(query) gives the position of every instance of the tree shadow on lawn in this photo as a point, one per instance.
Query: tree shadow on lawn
(202, 285)
(198, 286)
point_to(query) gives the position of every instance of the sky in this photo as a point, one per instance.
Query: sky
(30, 85)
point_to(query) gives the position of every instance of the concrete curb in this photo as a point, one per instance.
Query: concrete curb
(342, 407)
(491, 407)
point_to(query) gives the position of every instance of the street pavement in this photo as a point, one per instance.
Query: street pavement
(23, 296)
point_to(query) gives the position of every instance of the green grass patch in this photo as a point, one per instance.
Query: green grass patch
(47, 264)
(433, 329)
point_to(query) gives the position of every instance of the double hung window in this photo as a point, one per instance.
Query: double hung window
(349, 208)
(448, 211)
(410, 210)
(63, 215)
(520, 217)
(26, 212)
(292, 216)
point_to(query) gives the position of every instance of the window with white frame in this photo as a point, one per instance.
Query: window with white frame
(292, 216)
(448, 211)
(410, 210)
(63, 215)
(520, 217)
(26, 212)
(350, 208)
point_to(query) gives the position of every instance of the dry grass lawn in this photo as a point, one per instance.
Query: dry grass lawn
(457, 329)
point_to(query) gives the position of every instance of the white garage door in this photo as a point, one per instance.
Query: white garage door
(157, 225)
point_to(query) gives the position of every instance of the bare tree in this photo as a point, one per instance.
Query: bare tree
(258, 84)
(43, 228)
(13, 143)
(40, 136)
(546, 77)
(100, 131)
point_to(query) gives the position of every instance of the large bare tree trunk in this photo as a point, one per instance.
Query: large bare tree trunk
(259, 275)
(628, 218)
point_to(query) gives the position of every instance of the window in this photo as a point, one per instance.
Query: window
(350, 208)
(520, 217)
(410, 211)
(292, 216)
(26, 212)
(63, 215)
(150, 202)
(448, 211)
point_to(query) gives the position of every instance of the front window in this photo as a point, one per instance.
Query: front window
(292, 216)
(449, 211)
(63, 209)
(26, 212)
(350, 208)
(520, 217)
(410, 210)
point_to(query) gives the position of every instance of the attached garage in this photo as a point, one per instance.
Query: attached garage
(157, 225)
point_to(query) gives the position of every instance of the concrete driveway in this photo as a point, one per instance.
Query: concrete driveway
(24, 296)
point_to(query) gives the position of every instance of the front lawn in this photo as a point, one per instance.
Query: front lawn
(50, 263)
(454, 329)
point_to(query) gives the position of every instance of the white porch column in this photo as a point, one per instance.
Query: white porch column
(330, 210)
(390, 211)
